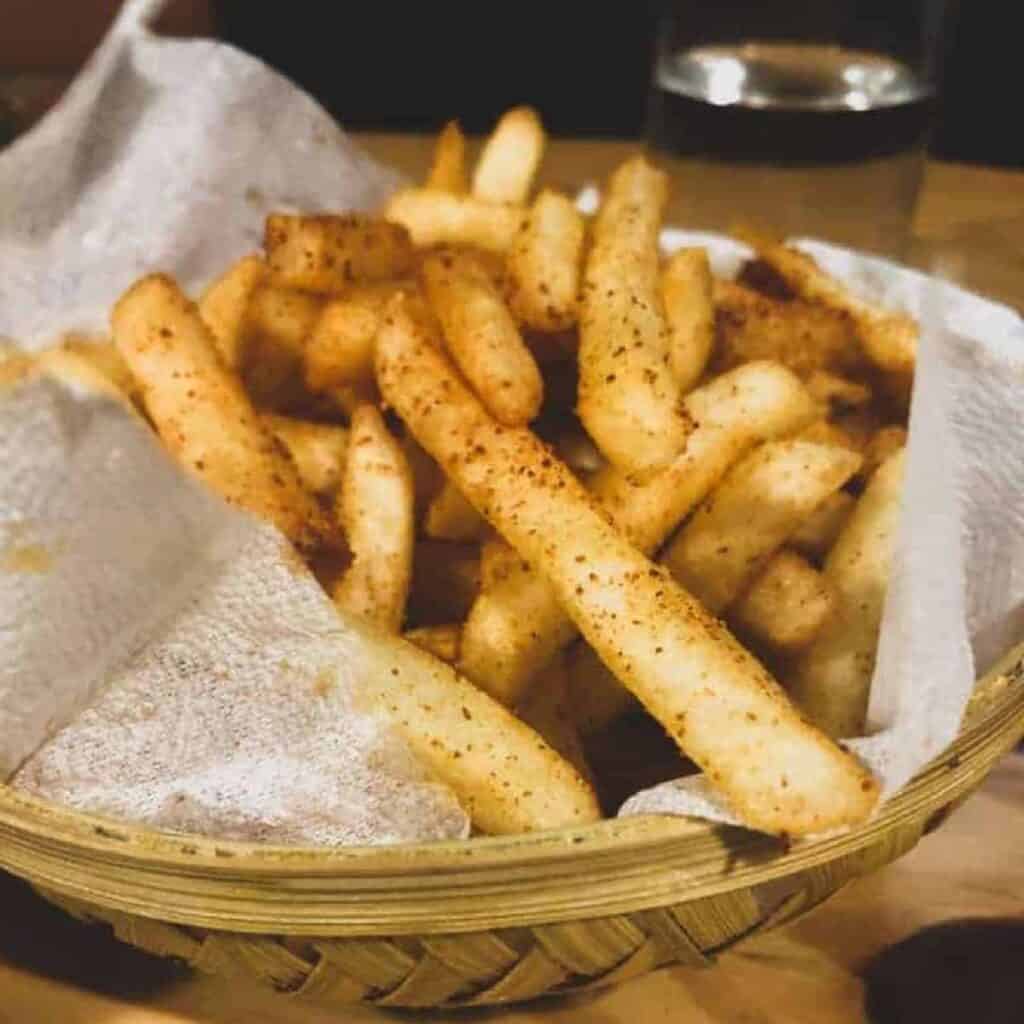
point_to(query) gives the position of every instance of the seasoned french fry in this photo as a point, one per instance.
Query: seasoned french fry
(628, 398)
(717, 702)
(450, 517)
(886, 441)
(375, 504)
(818, 532)
(889, 339)
(66, 365)
(786, 606)
(800, 335)
(445, 581)
(442, 640)
(202, 414)
(598, 697)
(544, 264)
(317, 449)
(508, 779)
(433, 218)
(225, 304)
(686, 294)
(498, 561)
(448, 171)
(831, 679)
(104, 358)
(327, 254)
(483, 338)
(519, 626)
(510, 158)
(836, 392)
(750, 514)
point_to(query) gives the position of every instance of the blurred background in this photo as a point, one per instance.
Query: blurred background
(409, 67)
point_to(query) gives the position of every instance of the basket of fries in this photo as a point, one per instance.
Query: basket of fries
(606, 534)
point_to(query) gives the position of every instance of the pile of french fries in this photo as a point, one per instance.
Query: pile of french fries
(590, 478)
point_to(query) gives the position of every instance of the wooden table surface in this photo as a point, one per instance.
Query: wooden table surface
(810, 973)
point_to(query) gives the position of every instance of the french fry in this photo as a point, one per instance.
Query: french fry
(800, 335)
(375, 504)
(498, 561)
(483, 338)
(317, 449)
(445, 581)
(450, 517)
(889, 339)
(544, 264)
(818, 532)
(508, 779)
(102, 355)
(786, 606)
(831, 679)
(832, 391)
(826, 432)
(224, 306)
(628, 399)
(750, 514)
(448, 171)
(685, 286)
(67, 365)
(718, 703)
(203, 416)
(510, 158)
(519, 626)
(442, 641)
(327, 254)
(433, 218)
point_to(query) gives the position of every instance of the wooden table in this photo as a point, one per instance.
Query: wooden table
(972, 867)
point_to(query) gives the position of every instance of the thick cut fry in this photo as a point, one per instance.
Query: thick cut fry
(202, 414)
(750, 515)
(889, 339)
(831, 679)
(375, 504)
(434, 218)
(518, 628)
(445, 582)
(507, 778)
(450, 517)
(499, 561)
(278, 323)
(628, 398)
(327, 254)
(786, 606)
(224, 307)
(803, 336)
(510, 158)
(340, 347)
(483, 338)
(442, 641)
(317, 449)
(728, 714)
(598, 697)
(818, 532)
(686, 294)
(545, 262)
(448, 171)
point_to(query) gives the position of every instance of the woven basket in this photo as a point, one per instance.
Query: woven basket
(484, 921)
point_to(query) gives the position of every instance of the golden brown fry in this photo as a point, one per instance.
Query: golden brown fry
(202, 414)
(685, 286)
(545, 262)
(102, 355)
(498, 561)
(434, 218)
(786, 606)
(225, 304)
(317, 449)
(628, 398)
(825, 432)
(510, 158)
(717, 702)
(831, 679)
(445, 581)
(833, 391)
(375, 504)
(750, 514)
(508, 779)
(450, 517)
(327, 254)
(818, 532)
(66, 365)
(483, 338)
(448, 171)
(442, 640)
